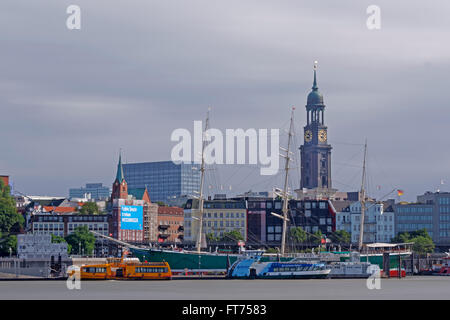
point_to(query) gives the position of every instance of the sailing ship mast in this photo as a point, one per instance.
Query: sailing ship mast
(201, 201)
(285, 191)
(362, 201)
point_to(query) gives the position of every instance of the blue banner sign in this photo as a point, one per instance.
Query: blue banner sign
(131, 217)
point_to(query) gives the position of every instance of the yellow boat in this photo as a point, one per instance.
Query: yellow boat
(120, 269)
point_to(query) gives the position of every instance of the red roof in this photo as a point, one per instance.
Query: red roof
(60, 209)
(170, 210)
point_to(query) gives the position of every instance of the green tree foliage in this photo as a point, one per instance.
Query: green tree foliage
(316, 237)
(340, 236)
(89, 208)
(11, 222)
(6, 242)
(58, 239)
(234, 235)
(423, 245)
(82, 236)
(298, 235)
(421, 239)
(210, 237)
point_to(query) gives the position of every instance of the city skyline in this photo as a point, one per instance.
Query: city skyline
(72, 98)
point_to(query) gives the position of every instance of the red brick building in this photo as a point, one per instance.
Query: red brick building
(121, 228)
(144, 230)
(170, 224)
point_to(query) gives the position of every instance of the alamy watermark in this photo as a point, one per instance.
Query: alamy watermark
(189, 147)
(74, 278)
(374, 280)
(73, 21)
(374, 20)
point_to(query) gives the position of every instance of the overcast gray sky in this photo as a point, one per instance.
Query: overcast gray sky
(137, 70)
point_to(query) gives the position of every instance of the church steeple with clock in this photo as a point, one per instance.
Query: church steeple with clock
(315, 152)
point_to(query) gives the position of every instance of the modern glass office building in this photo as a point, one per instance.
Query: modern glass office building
(97, 191)
(165, 180)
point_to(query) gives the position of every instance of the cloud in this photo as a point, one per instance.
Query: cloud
(138, 70)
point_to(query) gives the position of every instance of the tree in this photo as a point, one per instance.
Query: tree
(401, 237)
(7, 242)
(81, 235)
(58, 239)
(234, 235)
(340, 236)
(11, 222)
(210, 237)
(298, 235)
(89, 208)
(316, 237)
(423, 243)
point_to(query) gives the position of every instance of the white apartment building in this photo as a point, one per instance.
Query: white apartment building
(379, 225)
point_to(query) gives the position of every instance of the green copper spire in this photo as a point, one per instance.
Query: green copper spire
(119, 176)
(315, 87)
(315, 97)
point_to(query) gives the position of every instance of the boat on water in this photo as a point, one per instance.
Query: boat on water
(187, 261)
(125, 269)
(443, 269)
(250, 266)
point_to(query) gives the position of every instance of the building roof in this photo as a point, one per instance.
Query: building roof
(315, 97)
(138, 193)
(120, 175)
(59, 209)
(340, 205)
(170, 210)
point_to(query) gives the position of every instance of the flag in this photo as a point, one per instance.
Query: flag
(400, 192)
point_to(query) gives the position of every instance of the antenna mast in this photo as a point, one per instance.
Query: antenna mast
(362, 201)
(285, 192)
(202, 170)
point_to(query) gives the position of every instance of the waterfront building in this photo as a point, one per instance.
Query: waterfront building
(311, 215)
(315, 152)
(219, 216)
(134, 216)
(379, 224)
(95, 191)
(38, 246)
(430, 212)
(166, 181)
(65, 224)
(170, 224)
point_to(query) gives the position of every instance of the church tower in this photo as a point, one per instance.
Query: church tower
(120, 187)
(315, 152)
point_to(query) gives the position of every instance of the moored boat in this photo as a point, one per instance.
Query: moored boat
(123, 269)
(250, 266)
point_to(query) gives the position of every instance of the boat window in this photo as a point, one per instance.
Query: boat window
(150, 270)
(94, 270)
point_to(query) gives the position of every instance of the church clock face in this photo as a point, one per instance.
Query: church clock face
(308, 135)
(322, 135)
